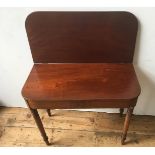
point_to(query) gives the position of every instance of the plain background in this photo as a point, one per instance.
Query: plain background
(16, 60)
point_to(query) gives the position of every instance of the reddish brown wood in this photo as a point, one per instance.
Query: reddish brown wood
(82, 37)
(81, 104)
(84, 61)
(72, 82)
(38, 122)
(126, 124)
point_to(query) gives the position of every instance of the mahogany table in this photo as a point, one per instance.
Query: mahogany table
(81, 60)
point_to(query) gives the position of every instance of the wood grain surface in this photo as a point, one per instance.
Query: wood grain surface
(103, 81)
(87, 37)
(73, 128)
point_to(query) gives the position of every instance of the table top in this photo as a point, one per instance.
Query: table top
(81, 81)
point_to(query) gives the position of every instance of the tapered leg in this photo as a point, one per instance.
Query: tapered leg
(39, 123)
(126, 124)
(121, 111)
(49, 112)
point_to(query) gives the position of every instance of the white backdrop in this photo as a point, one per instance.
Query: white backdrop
(16, 60)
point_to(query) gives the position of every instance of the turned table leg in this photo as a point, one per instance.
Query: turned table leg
(121, 110)
(49, 112)
(39, 123)
(126, 124)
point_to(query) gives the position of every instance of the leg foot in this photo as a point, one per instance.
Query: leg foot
(49, 112)
(123, 138)
(126, 124)
(121, 112)
(47, 142)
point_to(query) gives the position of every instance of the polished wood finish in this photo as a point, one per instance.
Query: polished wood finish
(81, 60)
(82, 37)
(81, 104)
(126, 124)
(60, 82)
(39, 123)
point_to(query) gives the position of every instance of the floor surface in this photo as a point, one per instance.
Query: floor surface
(73, 128)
